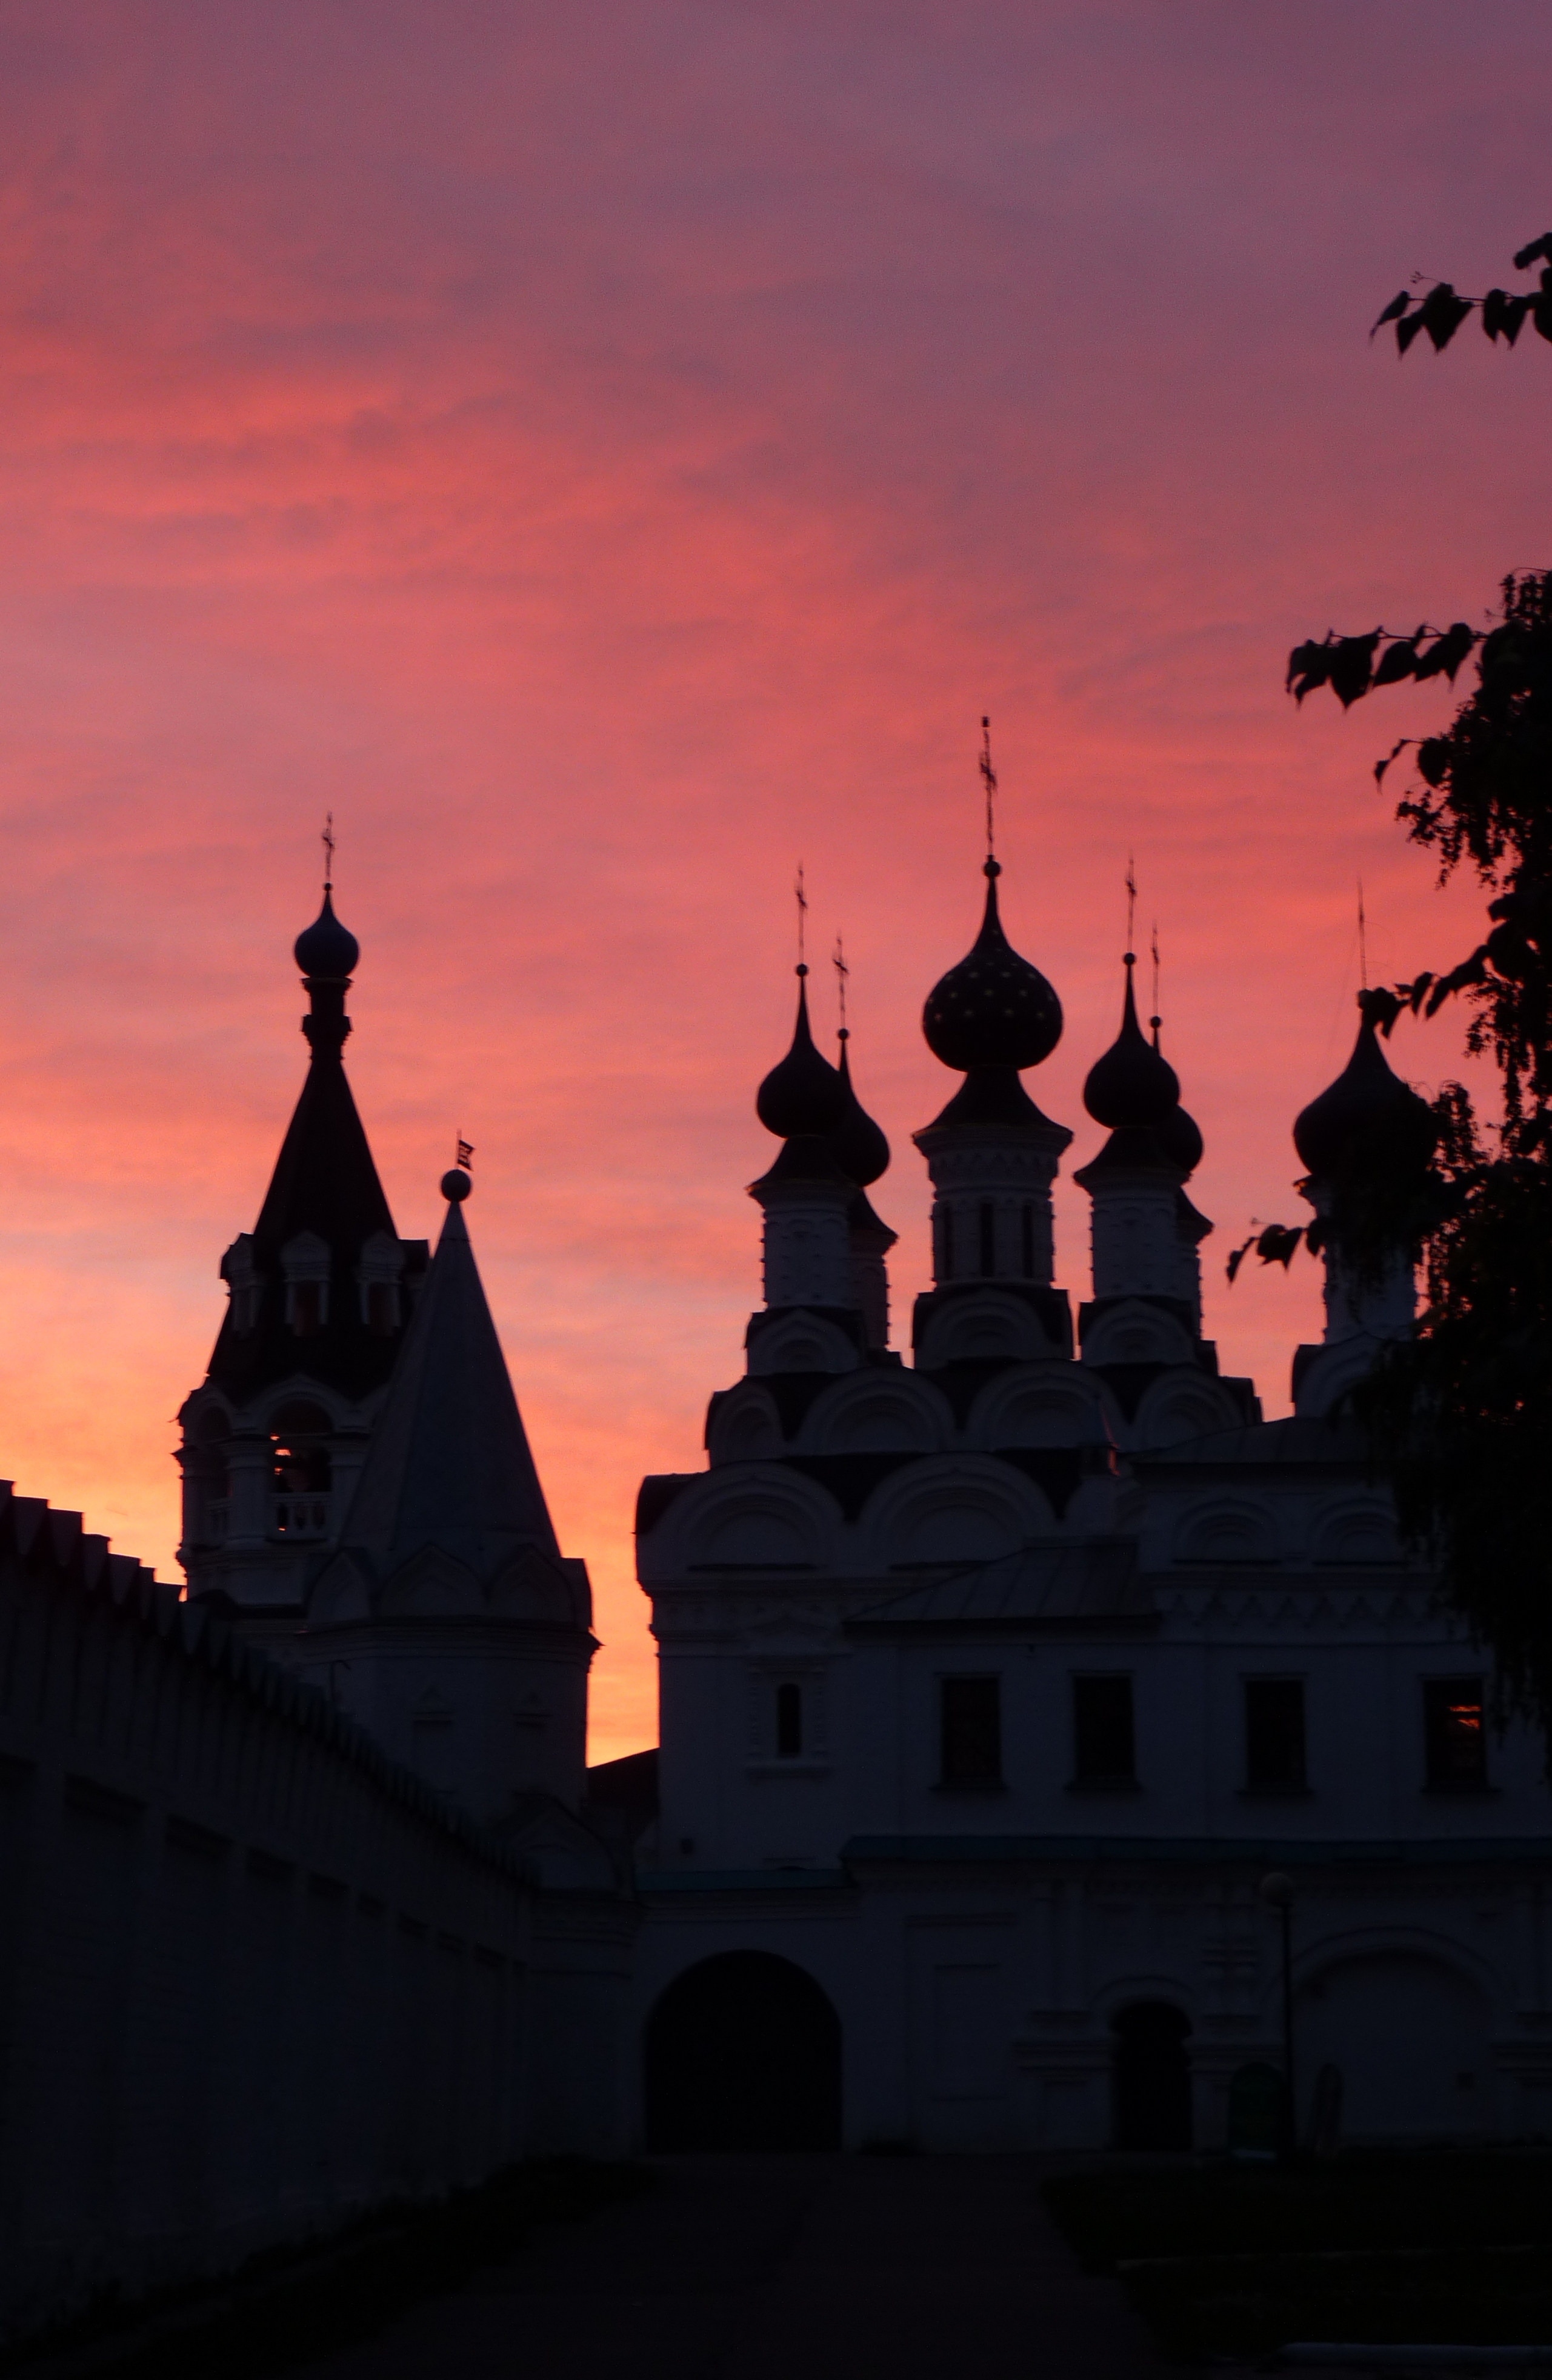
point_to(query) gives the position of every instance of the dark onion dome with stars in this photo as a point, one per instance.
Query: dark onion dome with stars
(856, 1143)
(993, 1009)
(1368, 1125)
(804, 1095)
(326, 1187)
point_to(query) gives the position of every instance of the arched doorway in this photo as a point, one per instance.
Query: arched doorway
(1152, 2077)
(743, 2052)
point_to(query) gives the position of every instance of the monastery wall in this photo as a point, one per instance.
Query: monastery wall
(253, 1976)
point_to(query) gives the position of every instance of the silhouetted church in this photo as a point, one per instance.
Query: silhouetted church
(993, 1684)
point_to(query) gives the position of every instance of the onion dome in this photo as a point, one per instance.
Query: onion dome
(326, 948)
(1179, 1136)
(1133, 1083)
(993, 1009)
(1368, 1121)
(856, 1143)
(804, 1094)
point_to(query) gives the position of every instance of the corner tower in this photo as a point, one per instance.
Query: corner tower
(318, 1295)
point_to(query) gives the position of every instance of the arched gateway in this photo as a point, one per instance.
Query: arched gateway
(743, 2052)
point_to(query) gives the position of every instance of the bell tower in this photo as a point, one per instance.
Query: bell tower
(318, 1299)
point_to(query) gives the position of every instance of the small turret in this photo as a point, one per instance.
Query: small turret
(860, 1149)
(991, 1154)
(812, 1319)
(1146, 1229)
(1367, 1140)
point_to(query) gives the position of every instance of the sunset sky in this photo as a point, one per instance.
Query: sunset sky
(608, 454)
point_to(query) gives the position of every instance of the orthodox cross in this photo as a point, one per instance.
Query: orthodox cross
(988, 779)
(1131, 906)
(466, 1153)
(842, 972)
(1156, 1020)
(802, 923)
(328, 840)
(1363, 941)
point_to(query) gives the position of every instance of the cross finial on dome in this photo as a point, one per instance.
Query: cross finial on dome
(842, 973)
(988, 779)
(802, 922)
(327, 839)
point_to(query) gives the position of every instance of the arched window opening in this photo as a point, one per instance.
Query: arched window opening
(743, 2052)
(382, 1309)
(988, 1239)
(945, 1244)
(1026, 1224)
(1152, 2077)
(300, 1470)
(788, 1723)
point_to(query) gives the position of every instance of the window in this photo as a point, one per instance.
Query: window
(307, 1308)
(1027, 1223)
(1454, 1735)
(1274, 1728)
(1104, 1748)
(788, 1723)
(970, 1712)
(988, 1239)
(382, 1309)
(946, 1245)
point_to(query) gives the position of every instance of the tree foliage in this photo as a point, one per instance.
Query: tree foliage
(1440, 309)
(1462, 1416)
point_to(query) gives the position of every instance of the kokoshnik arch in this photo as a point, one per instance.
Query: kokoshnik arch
(991, 1682)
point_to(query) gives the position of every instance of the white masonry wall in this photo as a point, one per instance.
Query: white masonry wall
(252, 1977)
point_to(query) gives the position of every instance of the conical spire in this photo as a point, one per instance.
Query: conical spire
(325, 1191)
(449, 1467)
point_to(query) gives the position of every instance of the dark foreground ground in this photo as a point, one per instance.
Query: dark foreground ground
(783, 2268)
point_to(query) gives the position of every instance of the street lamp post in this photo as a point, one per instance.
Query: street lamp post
(1277, 1891)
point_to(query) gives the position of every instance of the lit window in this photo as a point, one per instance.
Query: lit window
(1454, 1733)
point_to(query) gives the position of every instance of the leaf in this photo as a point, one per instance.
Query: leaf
(1382, 1006)
(1308, 662)
(1446, 654)
(1541, 314)
(1433, 760)
(1351, 666)
(1442, 313)
(1526, 257)
(1397, 662)
(1238, 1257)
(1279, 1244)
(1394, 754)
(1407, 330)
(1397, 307)
(1503, 314)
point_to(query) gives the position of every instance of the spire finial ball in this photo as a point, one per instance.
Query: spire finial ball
(455, 1185)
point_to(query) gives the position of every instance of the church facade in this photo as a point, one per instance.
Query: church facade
(1015, 1699)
